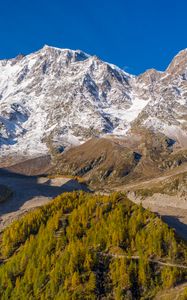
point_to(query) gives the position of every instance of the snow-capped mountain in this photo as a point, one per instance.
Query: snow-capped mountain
(64, 97)
(166, 93)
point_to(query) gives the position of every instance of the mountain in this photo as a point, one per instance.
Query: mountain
(167, 107)
(107, 163)
(60, 97)
(85, 246)
(63, 94)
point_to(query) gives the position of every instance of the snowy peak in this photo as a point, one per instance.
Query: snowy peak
(68, 54)
(167, 93)
(62, 97)
(178, 66)
(59, 96)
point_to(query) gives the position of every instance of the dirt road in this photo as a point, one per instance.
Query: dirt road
(137, 257)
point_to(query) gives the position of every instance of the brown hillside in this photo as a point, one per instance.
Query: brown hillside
(108, 161)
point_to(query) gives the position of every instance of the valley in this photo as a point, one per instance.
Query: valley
(93, 170)
(39, 190)
(30, 192)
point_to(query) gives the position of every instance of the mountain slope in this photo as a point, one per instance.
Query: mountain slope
(60, 93)
(60, 97)
(167, 107)
(110, 161)
(83, 246)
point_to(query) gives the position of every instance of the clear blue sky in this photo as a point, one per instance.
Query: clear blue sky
(133, 34)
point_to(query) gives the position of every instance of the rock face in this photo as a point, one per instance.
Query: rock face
(63, 97)
(167, 93)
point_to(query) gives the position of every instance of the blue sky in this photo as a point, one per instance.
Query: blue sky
(133, 34)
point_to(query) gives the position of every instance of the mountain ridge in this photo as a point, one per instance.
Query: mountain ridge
(63, 97)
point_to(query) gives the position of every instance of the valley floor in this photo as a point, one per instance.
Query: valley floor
(30, 192)
(175, 217)
(172, 208)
